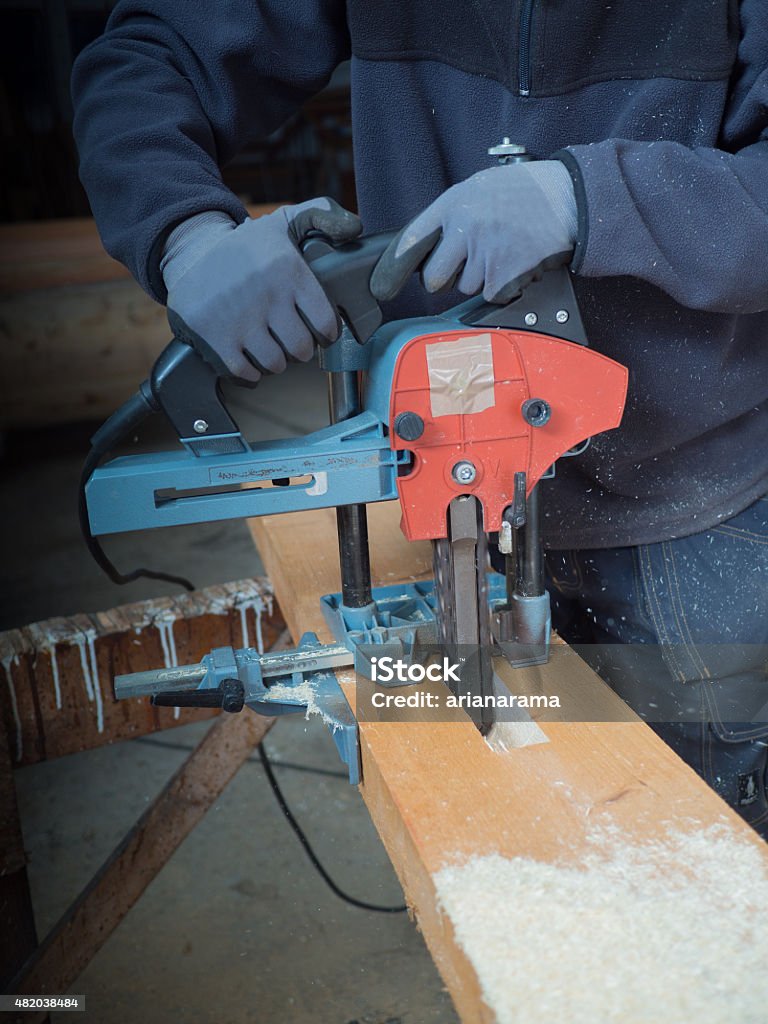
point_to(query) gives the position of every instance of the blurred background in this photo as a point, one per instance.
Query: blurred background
(77, 334)
(39, 40)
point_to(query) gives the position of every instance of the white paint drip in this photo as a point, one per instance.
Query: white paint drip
(168, 642)
(86, 642)
(51, 637)
(55, 671)
(8, 663)
(259, 606)
(91, 636)
(165, 625)
(259, 636)
(81, 642)
(248, 595)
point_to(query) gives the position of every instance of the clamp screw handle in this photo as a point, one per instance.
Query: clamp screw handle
(229, 695)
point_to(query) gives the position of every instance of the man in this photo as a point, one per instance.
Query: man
(652, 122)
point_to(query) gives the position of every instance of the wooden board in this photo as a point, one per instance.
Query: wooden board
(67, 306)
(96, 343)
(68, 251)
(17, 923)
(438, 793)
(56, 676)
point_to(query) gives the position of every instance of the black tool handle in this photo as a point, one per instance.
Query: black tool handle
(185, 384)
(228, 695)
(186, 387)
(345, 274)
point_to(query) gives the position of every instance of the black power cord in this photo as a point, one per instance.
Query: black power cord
(274, 786)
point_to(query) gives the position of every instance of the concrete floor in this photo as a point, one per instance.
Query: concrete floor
(237, 928)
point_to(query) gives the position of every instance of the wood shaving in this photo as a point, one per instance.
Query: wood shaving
(671, 930)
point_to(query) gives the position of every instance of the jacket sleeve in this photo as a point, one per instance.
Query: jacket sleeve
(693, 222)
(172, 91)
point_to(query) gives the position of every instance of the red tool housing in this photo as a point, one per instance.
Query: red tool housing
(585, 392)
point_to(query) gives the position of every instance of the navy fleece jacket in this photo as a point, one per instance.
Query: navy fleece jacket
(659, 110)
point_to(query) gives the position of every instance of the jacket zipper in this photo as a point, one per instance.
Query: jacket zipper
(524, 48)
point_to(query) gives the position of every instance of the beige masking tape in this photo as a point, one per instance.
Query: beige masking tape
(461, 375)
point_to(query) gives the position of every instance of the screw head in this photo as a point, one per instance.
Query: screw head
(409, 426)
(536, 411)
(508, 150)
(464, 472)
(562, 316)
(200, 426)
(531, 319)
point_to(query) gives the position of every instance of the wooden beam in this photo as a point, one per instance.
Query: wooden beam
(17, 924)
(96, 341)
(439, 795)
(56, 676)
(45, 254)
(68, 306)
(63, 955)
(49, 253)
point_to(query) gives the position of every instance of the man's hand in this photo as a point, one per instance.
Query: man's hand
(245, 290)
(492, 232)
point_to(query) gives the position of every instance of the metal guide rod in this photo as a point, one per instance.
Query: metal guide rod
(528, 566)
(351, 520)
(272, 664)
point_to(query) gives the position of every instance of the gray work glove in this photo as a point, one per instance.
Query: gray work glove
(490, 233)
(245, 291)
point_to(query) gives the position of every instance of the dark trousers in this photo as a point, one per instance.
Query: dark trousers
(680, 630)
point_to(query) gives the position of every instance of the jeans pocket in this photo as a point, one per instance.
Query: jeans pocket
(665, 602)
(707, 597)
(749, 526)
(735, 757)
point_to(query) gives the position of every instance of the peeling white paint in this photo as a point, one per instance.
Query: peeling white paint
(165, 622)
(91, 636)
(259, 634)
(81, 642)
(55, 670)
(260, 604)
(165, 629)
(225, 599)
(86, 642)
(7, 664)
(51, 637)
(243, 609)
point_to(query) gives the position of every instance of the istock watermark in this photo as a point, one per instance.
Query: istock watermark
(437, 687)
(391, 670)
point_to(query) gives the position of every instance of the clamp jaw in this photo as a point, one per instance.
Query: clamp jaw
(273, 683)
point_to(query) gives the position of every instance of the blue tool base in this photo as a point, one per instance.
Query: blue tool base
(400, 620)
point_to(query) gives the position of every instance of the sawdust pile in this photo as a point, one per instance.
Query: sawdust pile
(672, 931)
(301, 693)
